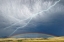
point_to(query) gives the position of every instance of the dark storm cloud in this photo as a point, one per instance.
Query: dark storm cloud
(51, 24)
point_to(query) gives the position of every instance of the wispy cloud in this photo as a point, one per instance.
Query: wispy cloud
(12, 11)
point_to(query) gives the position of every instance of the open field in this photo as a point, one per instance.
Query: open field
(55, 39)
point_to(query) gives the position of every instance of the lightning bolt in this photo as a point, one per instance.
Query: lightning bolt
(34, 16)
(31, 16)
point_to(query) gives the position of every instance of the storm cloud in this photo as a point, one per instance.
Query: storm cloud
(14, 12)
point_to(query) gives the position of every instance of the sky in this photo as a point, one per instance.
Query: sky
(34, 16)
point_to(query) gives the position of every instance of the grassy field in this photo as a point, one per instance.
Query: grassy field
(55, 39)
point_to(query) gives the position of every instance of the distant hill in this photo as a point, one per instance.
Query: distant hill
(32, 35)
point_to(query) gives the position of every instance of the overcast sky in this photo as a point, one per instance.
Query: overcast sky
(20, 15)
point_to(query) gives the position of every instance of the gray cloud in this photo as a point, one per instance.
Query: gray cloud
(12, 11)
